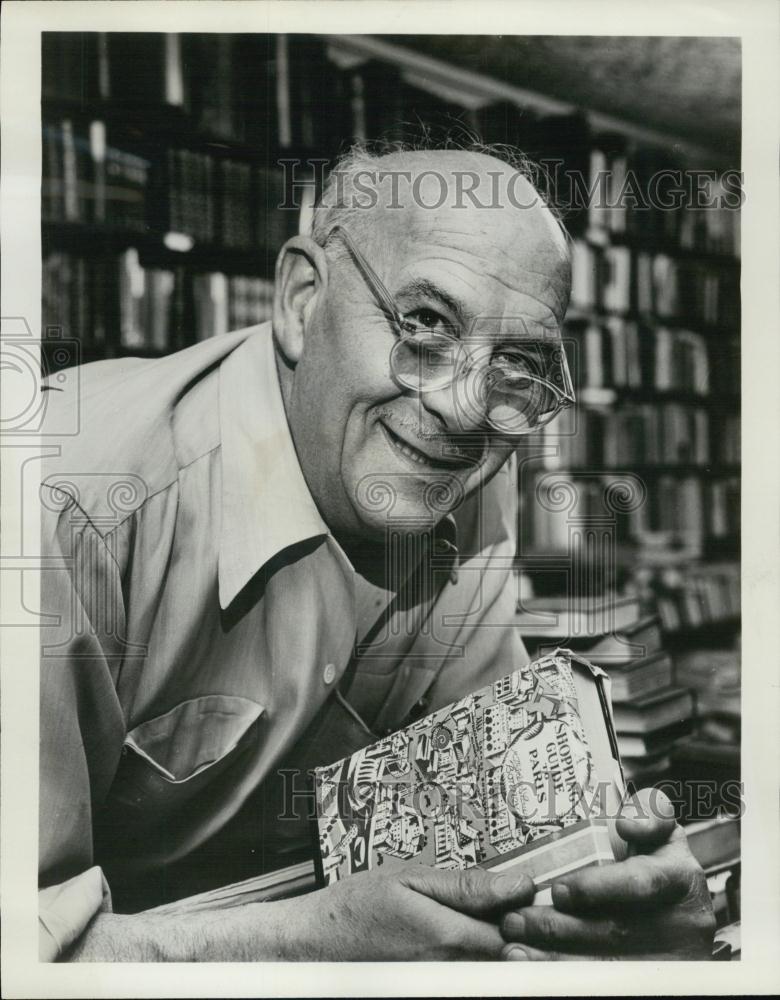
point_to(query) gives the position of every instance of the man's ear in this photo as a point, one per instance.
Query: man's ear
(301, 277)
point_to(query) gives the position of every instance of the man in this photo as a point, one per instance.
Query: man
(235, 521)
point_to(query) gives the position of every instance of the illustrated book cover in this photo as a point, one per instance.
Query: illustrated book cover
(522, 773)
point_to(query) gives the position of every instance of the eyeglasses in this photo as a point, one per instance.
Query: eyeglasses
(516, 387)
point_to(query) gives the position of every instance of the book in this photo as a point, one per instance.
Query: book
(646, 715)
(653, 743)
(285, 883)
(523, 773)
(643, 771)
(640, 678)
(616, 287)
(577, 617)
(715, 843)
(640, 639)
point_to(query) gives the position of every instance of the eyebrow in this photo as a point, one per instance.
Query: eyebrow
(430, 290)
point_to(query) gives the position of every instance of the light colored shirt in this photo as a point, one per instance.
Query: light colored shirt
(198, 613)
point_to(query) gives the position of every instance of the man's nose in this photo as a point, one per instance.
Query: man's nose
(460, 406)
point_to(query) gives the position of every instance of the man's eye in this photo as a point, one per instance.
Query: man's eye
(515, 360)
(428, 321)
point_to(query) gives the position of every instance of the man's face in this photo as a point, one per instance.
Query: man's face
(374, 452)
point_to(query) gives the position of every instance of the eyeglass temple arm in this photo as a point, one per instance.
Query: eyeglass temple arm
(385, 299)
(387, 303)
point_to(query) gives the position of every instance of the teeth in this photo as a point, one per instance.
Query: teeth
(413, 454)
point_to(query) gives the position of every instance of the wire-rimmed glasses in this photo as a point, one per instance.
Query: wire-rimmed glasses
(516, 387)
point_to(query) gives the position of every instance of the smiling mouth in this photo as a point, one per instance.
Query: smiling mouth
(421, 458)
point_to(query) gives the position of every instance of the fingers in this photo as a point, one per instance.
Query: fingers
(545, 928)
(639, 882)
(473, 891)
(470, 938)
(647, 819)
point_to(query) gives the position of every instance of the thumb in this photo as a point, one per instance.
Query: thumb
(472, 891)
(647, 819)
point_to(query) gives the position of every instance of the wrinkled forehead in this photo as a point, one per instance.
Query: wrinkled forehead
(502, 256)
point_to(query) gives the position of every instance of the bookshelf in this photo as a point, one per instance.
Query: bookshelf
(160, 226)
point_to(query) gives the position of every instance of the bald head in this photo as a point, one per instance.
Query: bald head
(451, 198)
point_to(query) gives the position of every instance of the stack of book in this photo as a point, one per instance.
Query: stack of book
(711, 753)
(651, 712)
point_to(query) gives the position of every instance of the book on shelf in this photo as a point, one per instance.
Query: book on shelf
(146, 69)
(723, 499)
(213, 85)
(598, 196)
(229, 302)
(74, 66)
(653, 712)
(704, 594)
(117, 301)
(584, 266)
(147, 297)
(616, 281)
(91, 175)
(616, 192)
(77, 296)
(657, 286)
(713, 227)
(662, 433)
(191, 194)
(235, 184)
(88, 178)
(608, 354)
(505, 778)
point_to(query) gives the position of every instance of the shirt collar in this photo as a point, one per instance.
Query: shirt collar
(266, 504)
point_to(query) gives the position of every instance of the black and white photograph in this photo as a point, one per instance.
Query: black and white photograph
(374, 512)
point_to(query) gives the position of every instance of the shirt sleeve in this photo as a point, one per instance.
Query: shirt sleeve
(65, 910)
(81, 722)
(478, 612)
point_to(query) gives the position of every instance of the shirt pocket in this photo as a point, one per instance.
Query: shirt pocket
(168, 760)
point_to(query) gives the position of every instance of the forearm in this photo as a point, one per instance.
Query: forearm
(249, 933)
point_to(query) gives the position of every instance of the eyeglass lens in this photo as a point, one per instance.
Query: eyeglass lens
(509, 392)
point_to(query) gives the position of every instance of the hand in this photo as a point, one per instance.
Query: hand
(655, 905)
(416, 913)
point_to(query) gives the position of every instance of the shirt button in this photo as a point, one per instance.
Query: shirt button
(329, 674)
